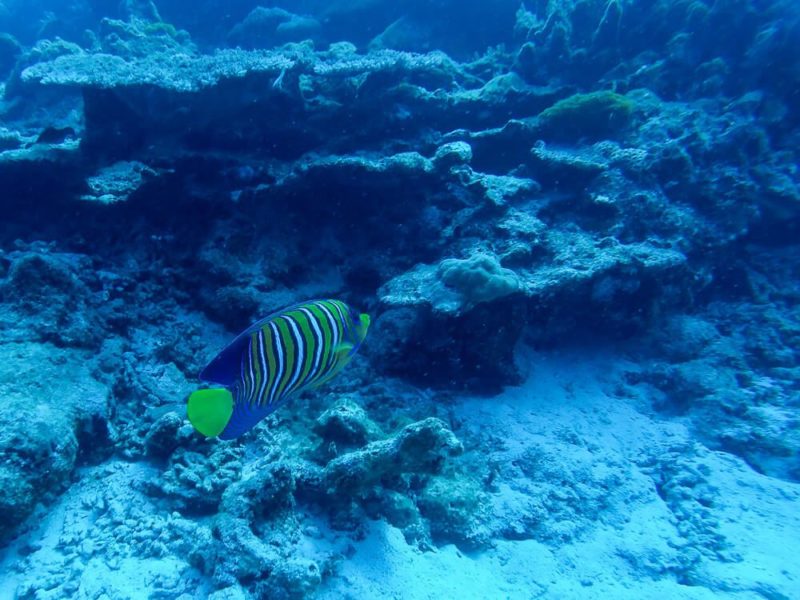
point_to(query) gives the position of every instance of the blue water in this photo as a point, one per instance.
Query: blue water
(574, 228)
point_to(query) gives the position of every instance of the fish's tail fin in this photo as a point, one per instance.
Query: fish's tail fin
(210, 410)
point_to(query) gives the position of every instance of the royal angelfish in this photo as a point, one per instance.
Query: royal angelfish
(288, 352)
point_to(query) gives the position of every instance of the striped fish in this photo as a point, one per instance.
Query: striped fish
(293, 350)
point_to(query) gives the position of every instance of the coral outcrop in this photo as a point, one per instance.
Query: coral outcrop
(51, 405)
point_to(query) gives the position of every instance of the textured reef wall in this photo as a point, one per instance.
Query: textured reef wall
(475, 174)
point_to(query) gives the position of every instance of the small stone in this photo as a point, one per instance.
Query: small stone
(347, 423)
(162, 438)
(86, 549)
(312, 531)
(452, 154)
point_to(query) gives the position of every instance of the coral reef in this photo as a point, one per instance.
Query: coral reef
(574, 225)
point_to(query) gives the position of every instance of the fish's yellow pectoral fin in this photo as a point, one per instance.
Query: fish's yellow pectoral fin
(364, 321)
(210, 410)
(342, 349)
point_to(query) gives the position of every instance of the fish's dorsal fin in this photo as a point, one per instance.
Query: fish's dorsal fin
(225, 367)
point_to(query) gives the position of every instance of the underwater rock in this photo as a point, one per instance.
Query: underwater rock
(103, 519)
(577, 259)
(117, 182)
(498, 149)
(402, 34)
(292, 579)
(42, 154)
(41, 51)
(268, 27)
(684, 337)
(401, 511)
(453, 286)
(564, 168)
(391, 333)
(41, 424)
(245, 557)
(421, 447)
(122, 90)
(477, 279)
(41, 274)
(585, 42)
(34, 278)
(473, 350)
(267, 489)
(405, 166)
(452, 154)
(233, 592)
(463, 111)
(557, 490)
(195, 482)
(10, 140)
(163, 436)
(681, 479)
(142, 36)
(264, 500)
(121, 67)
(347, 424)
(373, 480)
(499, 190)
(456, 509)
(725, 369)
(476, 297)
(157, 385)
(678, 137)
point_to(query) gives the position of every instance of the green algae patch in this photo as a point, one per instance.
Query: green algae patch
(597, 115)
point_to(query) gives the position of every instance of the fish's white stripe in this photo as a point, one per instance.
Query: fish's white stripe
(299, 355)
(325, 369)
(244, 376)
(339, 310)
(252, 383)
(262, 364)
(278, 359)
(346, 321)
(334, 328)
